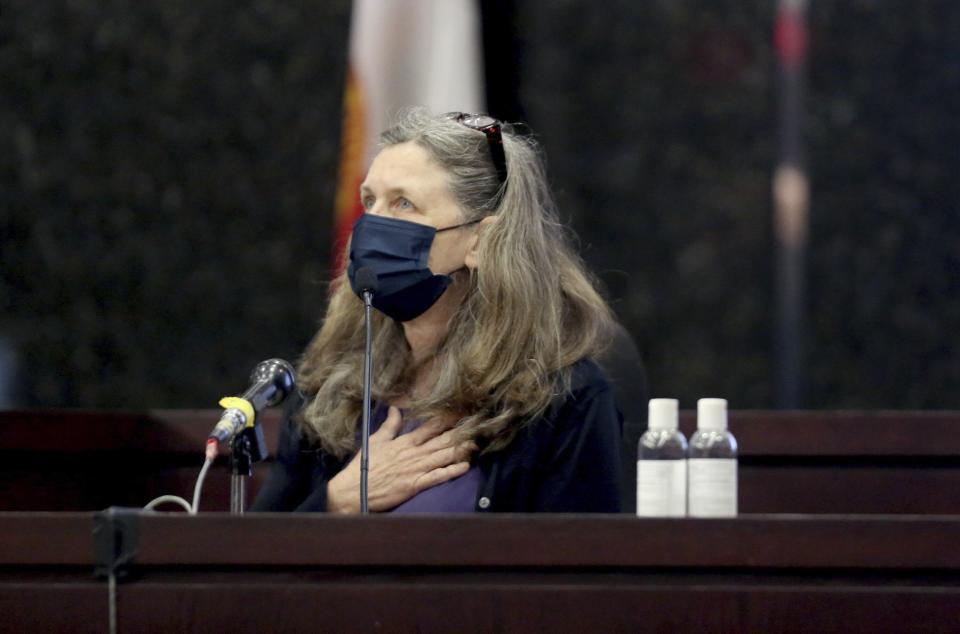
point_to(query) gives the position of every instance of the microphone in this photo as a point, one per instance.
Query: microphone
(367, 282)
(270, 383)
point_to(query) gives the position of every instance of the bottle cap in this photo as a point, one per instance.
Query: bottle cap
(662, 414)
(712, 414)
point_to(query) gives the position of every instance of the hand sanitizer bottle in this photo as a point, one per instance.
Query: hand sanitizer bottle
(712, 466)
(662, 463)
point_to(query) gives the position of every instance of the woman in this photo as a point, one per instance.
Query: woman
(485, 394)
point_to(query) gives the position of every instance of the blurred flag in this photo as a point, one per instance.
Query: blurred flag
(402, 53)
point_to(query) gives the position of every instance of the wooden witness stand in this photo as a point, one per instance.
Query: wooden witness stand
(772, 569)
(280, 573)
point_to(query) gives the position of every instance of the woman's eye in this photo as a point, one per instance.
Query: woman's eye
(403, 203)
(367, 202)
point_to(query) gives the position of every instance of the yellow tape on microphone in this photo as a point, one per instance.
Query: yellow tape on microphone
(241, 404)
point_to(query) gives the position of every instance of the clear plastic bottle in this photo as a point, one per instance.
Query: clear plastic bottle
(662, 463)
(712, 465)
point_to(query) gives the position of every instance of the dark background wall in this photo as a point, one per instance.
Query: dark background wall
(168, 173)
(659, 119)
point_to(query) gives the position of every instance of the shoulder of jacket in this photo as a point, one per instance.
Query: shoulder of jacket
(586, 375)
(587, 380)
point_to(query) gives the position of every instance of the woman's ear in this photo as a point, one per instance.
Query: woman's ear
(471, 259)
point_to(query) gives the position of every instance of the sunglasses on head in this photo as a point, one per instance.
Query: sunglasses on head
(491, 128)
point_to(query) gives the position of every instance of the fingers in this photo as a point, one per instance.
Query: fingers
(466, 450)
(392, 425)
(429, 430)
(461, 452)
(437, 441)
(440, 475)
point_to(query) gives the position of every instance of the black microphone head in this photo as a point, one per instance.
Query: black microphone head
(366, 280)
(279, 375)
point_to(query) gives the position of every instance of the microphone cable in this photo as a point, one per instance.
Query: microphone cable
(197, 490)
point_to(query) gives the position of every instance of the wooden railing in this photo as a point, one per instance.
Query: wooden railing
(790, 462)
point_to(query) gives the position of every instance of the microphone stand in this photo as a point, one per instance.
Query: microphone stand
(247, 447)
(241, 462)
(367, 381)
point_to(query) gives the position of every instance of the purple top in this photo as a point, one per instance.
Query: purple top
(453, 496)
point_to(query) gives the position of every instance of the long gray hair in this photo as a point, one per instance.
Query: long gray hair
(530, 310)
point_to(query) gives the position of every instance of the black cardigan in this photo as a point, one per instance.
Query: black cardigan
(568, 461)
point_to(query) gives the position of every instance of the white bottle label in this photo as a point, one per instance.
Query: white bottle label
(713, 487)
(661, 488)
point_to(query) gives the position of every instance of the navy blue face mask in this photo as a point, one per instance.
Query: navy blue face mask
(397, 251)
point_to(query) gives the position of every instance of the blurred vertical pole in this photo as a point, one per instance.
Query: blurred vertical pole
(791, 203)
